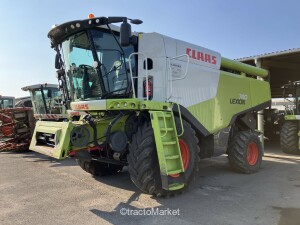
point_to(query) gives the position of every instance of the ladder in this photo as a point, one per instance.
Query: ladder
(168, 150)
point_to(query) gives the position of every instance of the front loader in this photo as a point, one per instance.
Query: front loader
(290, 130)
(150, 102)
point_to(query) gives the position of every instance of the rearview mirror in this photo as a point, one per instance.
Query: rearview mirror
(57, 61)
(125, 33)
(49, 93)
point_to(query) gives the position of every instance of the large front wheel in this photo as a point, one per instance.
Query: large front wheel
(143, 161)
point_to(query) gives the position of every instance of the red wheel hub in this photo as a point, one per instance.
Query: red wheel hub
(252, 155)
(185, 155)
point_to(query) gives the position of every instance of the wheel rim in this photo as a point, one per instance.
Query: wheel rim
(185, 155)
(252, 155)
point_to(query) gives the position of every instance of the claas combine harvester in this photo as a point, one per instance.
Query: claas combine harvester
(152, 103)
(17, 124)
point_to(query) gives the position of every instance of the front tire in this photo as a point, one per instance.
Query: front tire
(245, 152)
(143, 163)
(289, 138)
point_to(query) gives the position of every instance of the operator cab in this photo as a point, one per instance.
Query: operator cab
(91, 62)
(7, 102)
(46, 99)
(291, 95)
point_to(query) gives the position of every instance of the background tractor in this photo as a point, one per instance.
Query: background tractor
(290, 131)
(153, 103)
(46, 101)
(17, 124)
(7, 102)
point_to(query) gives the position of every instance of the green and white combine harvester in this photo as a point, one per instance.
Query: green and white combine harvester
(17, 124)
(150, 102)
(46, 102)
(290, 131)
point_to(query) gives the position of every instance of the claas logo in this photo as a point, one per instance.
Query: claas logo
(200, 56)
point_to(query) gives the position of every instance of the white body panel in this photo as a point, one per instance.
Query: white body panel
(171, 82)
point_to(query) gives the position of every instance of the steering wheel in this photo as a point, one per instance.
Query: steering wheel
(83, 66)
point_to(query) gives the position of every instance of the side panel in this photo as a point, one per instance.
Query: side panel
(235, 94)
(153, 46)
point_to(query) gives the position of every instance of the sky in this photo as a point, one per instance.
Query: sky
(235, 28)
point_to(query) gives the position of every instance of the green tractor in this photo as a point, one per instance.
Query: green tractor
(152, 103)
(290, 131)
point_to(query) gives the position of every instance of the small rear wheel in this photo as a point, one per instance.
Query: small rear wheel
(245, 152)
(99, 168)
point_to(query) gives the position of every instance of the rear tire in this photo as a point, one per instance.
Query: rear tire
(245, 152)
(98, 168)
(289, 138)
(143, 163)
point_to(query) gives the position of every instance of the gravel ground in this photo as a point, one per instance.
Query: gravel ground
(35, 189)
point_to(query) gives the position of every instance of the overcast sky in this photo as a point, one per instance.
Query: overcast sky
(235, 28)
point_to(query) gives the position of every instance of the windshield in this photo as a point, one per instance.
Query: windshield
(95, 71)
(6, 103)
(291, 95)
(48, 102)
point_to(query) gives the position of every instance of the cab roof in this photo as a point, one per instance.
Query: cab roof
(38, 86)
(60, 32)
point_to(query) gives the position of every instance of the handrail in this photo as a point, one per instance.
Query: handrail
(180, 118)
(136, 77)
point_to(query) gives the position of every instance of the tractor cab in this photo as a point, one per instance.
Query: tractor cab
(7, 102)
(93, 59)
(291, 95)
(46, 101)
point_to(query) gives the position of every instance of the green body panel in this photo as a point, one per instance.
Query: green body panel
(217, 113)
(290, 117)
(136, 104)
(167, 145)
(61, 131)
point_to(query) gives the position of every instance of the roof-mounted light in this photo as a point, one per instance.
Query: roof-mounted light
(91, 16)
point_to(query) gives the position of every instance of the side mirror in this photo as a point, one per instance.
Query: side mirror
(125, 33)
(49, 93)
(57, 61)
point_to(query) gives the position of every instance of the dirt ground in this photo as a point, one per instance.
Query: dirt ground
(35, 189)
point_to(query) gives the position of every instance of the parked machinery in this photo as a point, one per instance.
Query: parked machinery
(290, 131)
(153, 103)
(17, 124)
